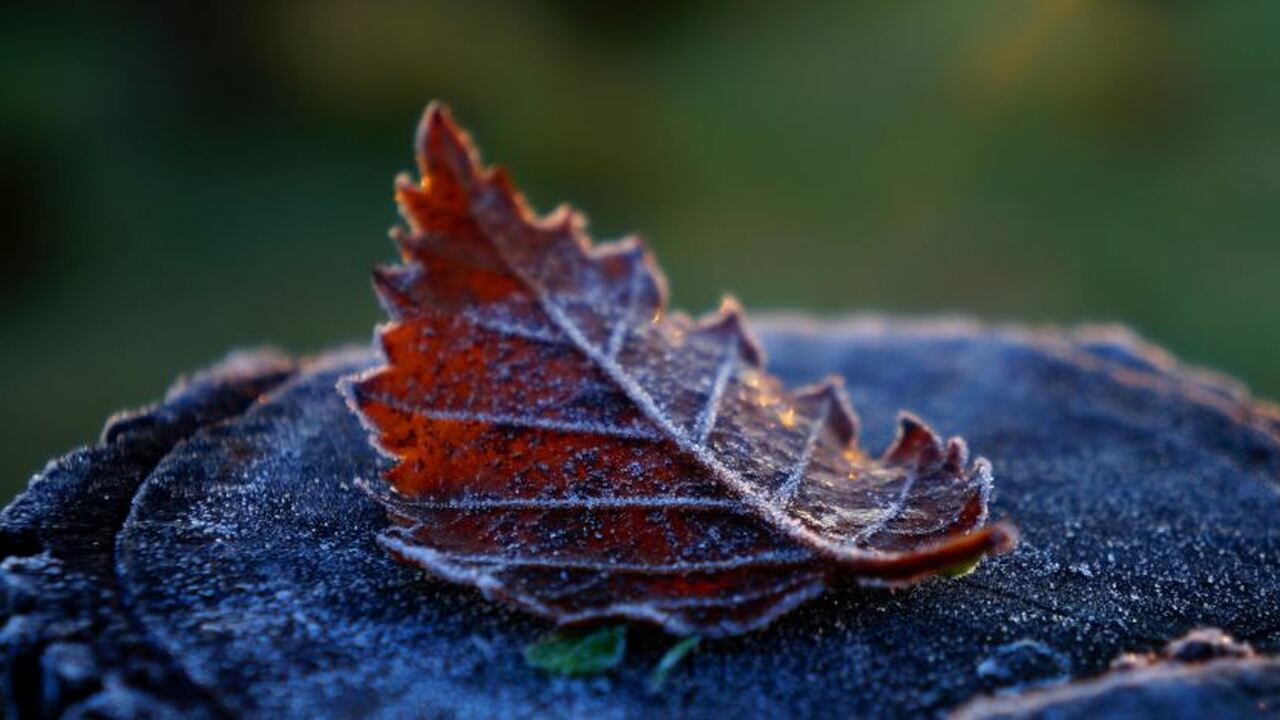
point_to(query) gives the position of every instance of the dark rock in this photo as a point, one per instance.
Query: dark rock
(1205, 644)
(70, 670)
(66, 631)
(1205, 674)
(247, 580)
(1024, 663)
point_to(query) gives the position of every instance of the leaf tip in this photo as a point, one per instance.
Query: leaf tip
(1003, 538)
(841, 415)
(441, 145)
(916, 444)
(392, 284)
(957, 456)
(436, 120)
(729, 322)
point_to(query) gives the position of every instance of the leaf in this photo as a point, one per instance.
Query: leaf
(578, 652)
(962, 569)
(565, 444)
(670, 659)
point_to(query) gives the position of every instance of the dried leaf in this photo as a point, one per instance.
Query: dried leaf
(565, 444)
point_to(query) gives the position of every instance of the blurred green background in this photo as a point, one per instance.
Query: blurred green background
(182, 179)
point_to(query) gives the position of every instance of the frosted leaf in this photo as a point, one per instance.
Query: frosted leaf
(565, 444)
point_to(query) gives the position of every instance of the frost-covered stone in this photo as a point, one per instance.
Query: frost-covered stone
(233, 569)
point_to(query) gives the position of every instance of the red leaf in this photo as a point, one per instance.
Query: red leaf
(565, 444)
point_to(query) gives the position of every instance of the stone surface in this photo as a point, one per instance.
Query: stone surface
(67, 643)
(246, 580)
(1203, 675)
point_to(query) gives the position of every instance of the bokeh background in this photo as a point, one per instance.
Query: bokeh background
(179, 179)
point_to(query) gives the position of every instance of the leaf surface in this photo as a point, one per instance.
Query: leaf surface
(569, 652)
(563, 442)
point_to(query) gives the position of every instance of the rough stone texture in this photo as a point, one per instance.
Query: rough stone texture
(1203, 675)
(1148, 497)
(67, 643)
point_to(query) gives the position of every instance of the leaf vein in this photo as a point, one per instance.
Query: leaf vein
(789, 488)
(707, 417)
(519, 421)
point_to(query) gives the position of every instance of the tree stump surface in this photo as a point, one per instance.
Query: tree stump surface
(212, 556)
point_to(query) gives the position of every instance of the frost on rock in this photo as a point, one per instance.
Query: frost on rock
(1023, 664)
(67, 649)
(235, 573)
(1204, 674)
(564, 443)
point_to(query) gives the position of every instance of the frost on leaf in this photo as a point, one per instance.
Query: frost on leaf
(567, 445)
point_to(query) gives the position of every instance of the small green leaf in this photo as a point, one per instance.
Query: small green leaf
(578, 652)
(669, 661)
(964, 568)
